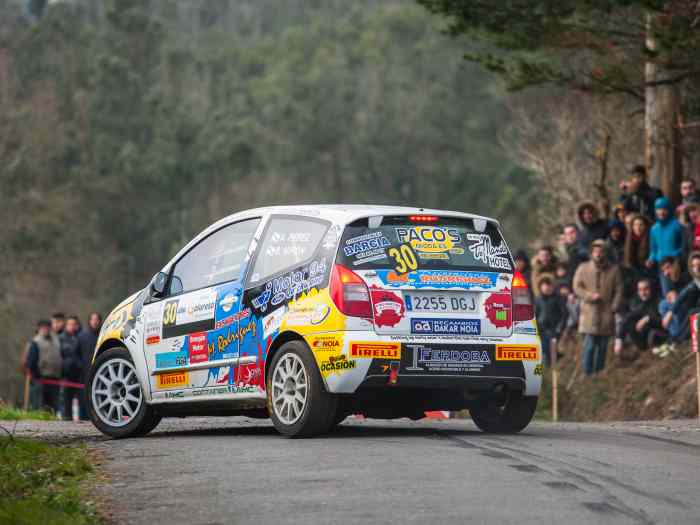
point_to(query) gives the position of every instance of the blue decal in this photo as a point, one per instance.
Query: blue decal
(228, 298)
(439, 279)
(172, 359)
(440, 326)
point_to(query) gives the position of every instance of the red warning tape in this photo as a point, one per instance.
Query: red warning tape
(60, 382)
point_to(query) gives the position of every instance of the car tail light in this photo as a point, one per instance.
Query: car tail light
(523, 309)
(350, 293)
(423, 218)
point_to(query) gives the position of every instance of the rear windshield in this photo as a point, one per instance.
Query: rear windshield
(403, 245)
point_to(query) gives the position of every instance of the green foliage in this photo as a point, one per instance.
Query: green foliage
(8, 413)
(40, 483)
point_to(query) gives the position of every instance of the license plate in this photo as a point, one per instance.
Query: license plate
(440, 302)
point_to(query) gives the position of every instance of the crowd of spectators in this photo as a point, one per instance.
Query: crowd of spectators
(631, 273)
(56, 361)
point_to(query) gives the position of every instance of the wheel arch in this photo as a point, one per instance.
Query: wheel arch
(138, 360)
(279, 341)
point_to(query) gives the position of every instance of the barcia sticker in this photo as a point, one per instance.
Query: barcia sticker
(366, 248)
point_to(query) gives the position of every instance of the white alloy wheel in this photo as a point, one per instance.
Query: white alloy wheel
(289, 389)
(116, 392)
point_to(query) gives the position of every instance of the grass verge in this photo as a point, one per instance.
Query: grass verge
(8, 413)
(42, 483)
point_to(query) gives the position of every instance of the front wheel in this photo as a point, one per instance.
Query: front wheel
(508, 418)
(116, 404)
(298, 403)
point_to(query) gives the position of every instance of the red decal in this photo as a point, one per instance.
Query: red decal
(498, 310)
(388, 307)
(198, 348)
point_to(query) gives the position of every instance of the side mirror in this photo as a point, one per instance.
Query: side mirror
(158, 284)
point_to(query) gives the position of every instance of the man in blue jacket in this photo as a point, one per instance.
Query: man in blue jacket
(666, 239)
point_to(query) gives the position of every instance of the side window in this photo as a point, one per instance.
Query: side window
(288, 242)
(216, 259)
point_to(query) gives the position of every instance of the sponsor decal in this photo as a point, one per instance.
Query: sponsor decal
(320, 313)
(498, 309)
(198, 348)
(443, 326)
(517, 353)
(178, 394)
(288, 286)
(482, 250)
(524, 329)
(272, 322)
(539, 370)
(431, 242)
(228, 389)
(153, 339)
(177, 356)
(229, 320)
(374, 350)
(439, 279)
(227, 302)
(337, 364)
(368, 247)
(188, 314)
(324, 343)
(232, 335)
(389, 307)
(173, 380)
(447, 359)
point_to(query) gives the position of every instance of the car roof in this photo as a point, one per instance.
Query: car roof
(338, 213)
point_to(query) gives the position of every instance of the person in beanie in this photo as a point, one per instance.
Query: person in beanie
(598, 284)
(44, 362)
(551, 315)
(665, 239)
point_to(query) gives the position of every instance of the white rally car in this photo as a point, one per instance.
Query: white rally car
(306, 314)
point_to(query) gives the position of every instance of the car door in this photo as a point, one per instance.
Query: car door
(191, 335)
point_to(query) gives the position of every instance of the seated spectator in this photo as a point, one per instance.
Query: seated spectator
(543, 264)
(691, 227)
(665, 239)
(676, 278)
(550, 312)
(670, 322)
(573, 250)
(44, 362)
(689, 298)
(592, 227)
(522, 265)
(616, 241)
(637, 196)
(642, 322)
(598, 284)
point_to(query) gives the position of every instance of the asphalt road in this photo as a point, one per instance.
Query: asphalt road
(231, 471)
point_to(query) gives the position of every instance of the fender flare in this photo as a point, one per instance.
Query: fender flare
(281, 339)
(138, 359)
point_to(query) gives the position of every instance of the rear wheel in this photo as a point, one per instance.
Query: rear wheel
(116, 404)
(298, 403)
(505, 418)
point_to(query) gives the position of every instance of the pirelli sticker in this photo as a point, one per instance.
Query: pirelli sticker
(370, 350)
(173, 380)
(517, 353)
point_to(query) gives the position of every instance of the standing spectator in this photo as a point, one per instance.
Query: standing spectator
(592, 226)
(34, 386)
(58, 323)
(543, 264)
(670, 322)
(72, 364)
(691, 228)
(561, 272)
(616, 241)
(689, 193)
(637, 246)
(642, 322)
(574, 250)
(619, 213)
(550, 312)
(689, 298)
(637, 196)
(522, 265)
(87, 340)
(44, 362)
(598, 284)
(666, 239)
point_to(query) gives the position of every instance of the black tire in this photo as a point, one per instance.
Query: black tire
(319, 411)
(145, 419)
(509, 418)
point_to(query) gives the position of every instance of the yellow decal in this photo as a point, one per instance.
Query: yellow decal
(373, 350)
(173, 380)
(405, 259)
(517, 353)
(326, 343)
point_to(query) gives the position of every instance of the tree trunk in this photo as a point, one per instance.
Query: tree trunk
(663, 156)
